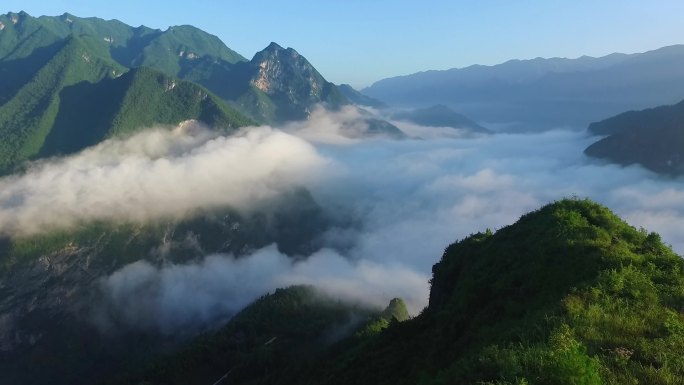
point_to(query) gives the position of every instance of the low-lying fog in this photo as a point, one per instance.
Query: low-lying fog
(412, 197)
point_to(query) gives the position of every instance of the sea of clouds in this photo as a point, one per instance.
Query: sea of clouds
(411, 197)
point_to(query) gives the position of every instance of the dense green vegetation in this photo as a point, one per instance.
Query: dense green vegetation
(653, 138)
(140, 98)
(63, 87)
(294, 85)
(145, 103)
(73, 102)
(175, 49)
(570, 294)
(27, 119)
(262, 342)
(169, 51)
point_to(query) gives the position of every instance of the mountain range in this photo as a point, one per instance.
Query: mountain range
(542, 94)
(69, 82)
(569, 293)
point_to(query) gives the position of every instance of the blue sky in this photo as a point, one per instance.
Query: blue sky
(361, 41)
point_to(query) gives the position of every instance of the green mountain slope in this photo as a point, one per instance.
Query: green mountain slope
(653, 138)
(277, 85)
(167, 100)
(50, 284)
(25, 47)
(27, 118)
(21, 34)
(569, 294)
(79, 98)
(293, 324)
(65, 90)
(169, 51)
(143, 97)
(176, 50)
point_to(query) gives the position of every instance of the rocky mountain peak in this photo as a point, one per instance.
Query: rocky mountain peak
(281, 70)
(274, 47)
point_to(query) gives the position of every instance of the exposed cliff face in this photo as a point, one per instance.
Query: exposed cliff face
(280, 70)
(292, 82)
(47, 287)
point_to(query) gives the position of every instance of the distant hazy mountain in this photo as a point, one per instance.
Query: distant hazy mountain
(439, 116)
(434, 116)
(545, 93)
(381, 127)
(653, 138)
(360, 99)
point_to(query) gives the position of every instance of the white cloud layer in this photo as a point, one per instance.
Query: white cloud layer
(154, 174)
(188, 298)
(411, 198)
(345, 126)
(414, 197)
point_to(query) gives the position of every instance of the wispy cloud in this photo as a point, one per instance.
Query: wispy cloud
(190, 297)
(154, 174)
